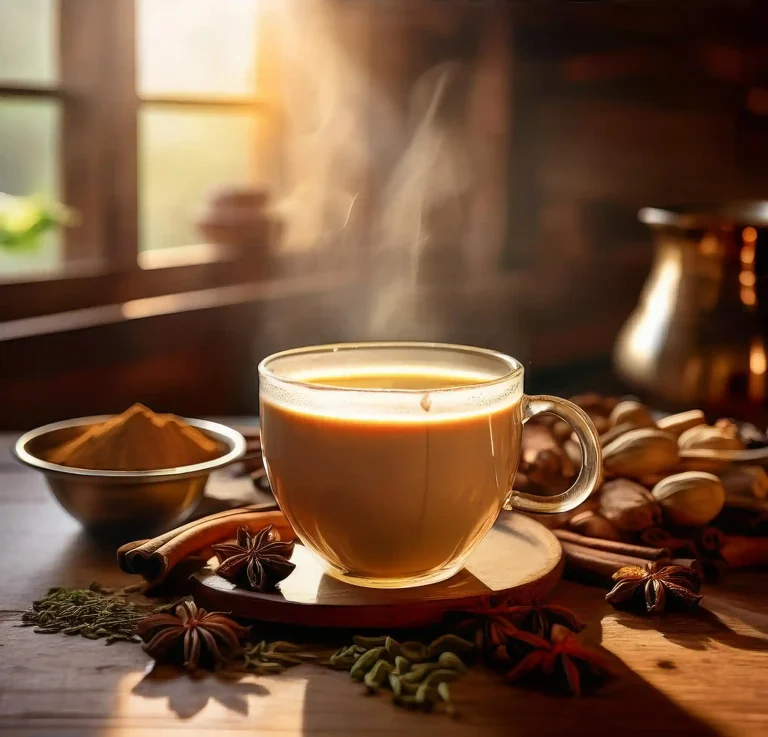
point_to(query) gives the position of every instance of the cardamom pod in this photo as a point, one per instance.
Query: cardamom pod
(629, 506)
(707, 437)
(376, 676)
(365, 663)
(641, 452)
(691, 498)
(632, 413)
(677, 424)
(744, 482)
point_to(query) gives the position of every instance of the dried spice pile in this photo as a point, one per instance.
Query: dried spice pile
(92, 613)
(676, 490)
(532, 644)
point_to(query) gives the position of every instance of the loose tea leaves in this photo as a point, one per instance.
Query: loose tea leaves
(93, 613)
(272, 658)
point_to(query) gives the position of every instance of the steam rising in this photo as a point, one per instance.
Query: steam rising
(379, 180)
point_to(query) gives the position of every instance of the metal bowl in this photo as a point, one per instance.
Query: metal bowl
(124, 499)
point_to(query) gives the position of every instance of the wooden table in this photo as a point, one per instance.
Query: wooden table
(702, 675)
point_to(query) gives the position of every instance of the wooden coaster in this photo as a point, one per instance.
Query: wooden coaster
(519, 557)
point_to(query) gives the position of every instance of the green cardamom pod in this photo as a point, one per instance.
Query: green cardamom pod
(402, 665)
(452, 661)
(419, 672)
(365, 663)
(369, 642)
(440, 676)
(395, 683)
(426, 693)
(280, 646)
(375, 677)
(450, 643)
(282, 658)
(392, 647)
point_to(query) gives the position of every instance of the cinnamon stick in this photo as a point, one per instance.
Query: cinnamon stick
(611, 546)
(154, 559)
(149, 546)
(592, 566)
(743, 552)
(588, 565)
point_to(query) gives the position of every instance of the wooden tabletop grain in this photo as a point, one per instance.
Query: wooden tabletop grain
(703, 675)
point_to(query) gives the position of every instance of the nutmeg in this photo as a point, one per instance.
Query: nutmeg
(701, 459)
(591, 524)
(677, 424)
(708, 437)
(640, 453)
(616, 431)
(691, 498)
(589, 401)
(561, 431)
(550, 468)
(751, 436)
(629, 506)
(632, 413)
(744, 481)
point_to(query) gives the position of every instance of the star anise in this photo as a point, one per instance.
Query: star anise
(192, 636)
(655, 588)
(563, 663)
(258, 561)
(495, 620)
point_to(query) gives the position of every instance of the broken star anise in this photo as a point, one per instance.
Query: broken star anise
(259, 561)
(655, 588)
(562, 663)
(493, 621)
(193, 637)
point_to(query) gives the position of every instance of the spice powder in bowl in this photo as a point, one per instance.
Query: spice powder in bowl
(137, 440)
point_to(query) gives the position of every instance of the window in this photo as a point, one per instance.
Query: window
(132, 112)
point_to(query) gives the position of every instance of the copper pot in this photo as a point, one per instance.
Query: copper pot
(698, 336)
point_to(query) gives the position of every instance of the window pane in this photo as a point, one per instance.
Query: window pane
(28, 30)
(28, 166)
(182, 156)
(197, 47)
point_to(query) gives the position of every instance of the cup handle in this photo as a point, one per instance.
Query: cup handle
(591, 458)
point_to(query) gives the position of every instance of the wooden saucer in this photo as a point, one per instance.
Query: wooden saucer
(519, 557)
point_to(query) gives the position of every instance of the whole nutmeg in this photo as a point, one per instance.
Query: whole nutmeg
(631, 413)
(550, 469)
(708, 437)
(521, 482)
(691, 498)
(744, 481)
(628, 506)
(640, 453)
(591, 524)
(682, 421)
(589, 402)
(561, 431)
(614, 432)
(749, 434)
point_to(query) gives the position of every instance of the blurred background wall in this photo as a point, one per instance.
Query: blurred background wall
(250, 175)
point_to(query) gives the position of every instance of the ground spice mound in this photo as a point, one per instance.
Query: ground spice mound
(137, 440)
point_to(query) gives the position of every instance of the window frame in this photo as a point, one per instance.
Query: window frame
(99, 174)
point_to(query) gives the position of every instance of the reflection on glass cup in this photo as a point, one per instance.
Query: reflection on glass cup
(393, 460)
